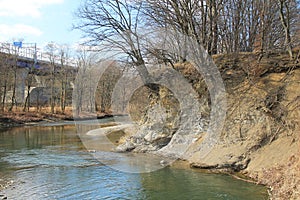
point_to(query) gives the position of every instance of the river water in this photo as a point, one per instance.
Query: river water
(50, 162)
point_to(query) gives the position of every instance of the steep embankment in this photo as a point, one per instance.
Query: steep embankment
(261, 132)
(260, 137)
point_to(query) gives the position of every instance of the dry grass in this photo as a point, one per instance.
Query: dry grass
(284, 180)
(18, 117)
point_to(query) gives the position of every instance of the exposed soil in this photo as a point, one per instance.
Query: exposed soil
(260, 137)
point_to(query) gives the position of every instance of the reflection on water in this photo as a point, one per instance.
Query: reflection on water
(39, 137)
(52, 163)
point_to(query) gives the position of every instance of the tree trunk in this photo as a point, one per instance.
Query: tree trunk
(38, 100)
(286, 25)
(29, 82)
(4, 93)
(52, 99)
(13, 97)
(63, 97)
(214, 49)
(27, 100)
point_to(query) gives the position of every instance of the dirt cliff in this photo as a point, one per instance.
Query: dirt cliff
(261, 133)
(260, 136)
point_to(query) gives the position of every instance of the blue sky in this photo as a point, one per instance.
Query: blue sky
(38, 21)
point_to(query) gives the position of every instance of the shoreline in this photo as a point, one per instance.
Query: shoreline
(18, 119)
(183, 164)
(180, 164)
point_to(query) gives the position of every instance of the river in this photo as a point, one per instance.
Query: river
(51, 162)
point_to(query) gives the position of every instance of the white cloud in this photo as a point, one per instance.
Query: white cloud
(15, 8)
(8, 32)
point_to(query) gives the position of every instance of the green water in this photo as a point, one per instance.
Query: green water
(52, 163)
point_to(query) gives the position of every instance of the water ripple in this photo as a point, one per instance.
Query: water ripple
(62, 170)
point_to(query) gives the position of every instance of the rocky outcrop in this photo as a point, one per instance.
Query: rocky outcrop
(156, 127)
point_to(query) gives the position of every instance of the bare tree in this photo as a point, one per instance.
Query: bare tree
(115, 25)
(29, 81)
(14, 68)
(174, 14)
(51, 49)
(106, 86)
(83, 95)
(197, 19)
(4, 72)
(232, 25)
(64, 74)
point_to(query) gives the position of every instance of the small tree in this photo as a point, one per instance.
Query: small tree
(51, 50)
(14, 68)
(64, 74)
(4, 72)
(83, 96)
(29, 80)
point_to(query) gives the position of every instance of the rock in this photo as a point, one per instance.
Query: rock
(2, 196)
(163, 162)
(203, 166)
(145, 148)
(148, 137)
(127, 146)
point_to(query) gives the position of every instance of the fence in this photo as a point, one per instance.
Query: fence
(30, 51)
